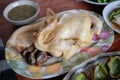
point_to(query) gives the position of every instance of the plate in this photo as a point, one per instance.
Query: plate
(19, 65)
(93, 2)
(89, 64)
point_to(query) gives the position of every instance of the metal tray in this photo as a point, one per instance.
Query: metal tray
(85, 66)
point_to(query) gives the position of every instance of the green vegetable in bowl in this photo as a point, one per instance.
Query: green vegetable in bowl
(114, 13)
(114, 18)
(81, 76)
(114, 66)
(103, 1)
(100, 72)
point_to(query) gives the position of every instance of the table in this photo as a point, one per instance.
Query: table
(6, 28)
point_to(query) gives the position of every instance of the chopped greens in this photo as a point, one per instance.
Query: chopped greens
(81, 76)
(114, 66)
(113, 13)
(103, 1)
(100, 72)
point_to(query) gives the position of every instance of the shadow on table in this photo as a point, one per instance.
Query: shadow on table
(6, 73)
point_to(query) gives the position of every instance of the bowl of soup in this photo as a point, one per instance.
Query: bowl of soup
(111, 14)
(21, 12)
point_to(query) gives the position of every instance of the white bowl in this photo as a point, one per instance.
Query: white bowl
(107, 10)
(18, 3)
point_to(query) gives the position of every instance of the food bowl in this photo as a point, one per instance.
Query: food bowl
(107, 11)
(99, 2)
(100, 63)
(21, 12)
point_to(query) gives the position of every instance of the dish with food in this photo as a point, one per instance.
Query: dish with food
(99, 2)
(114, 18)
(102, 67)
(103, 1)
(111, 14)
(57, 43)
(21, 12)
